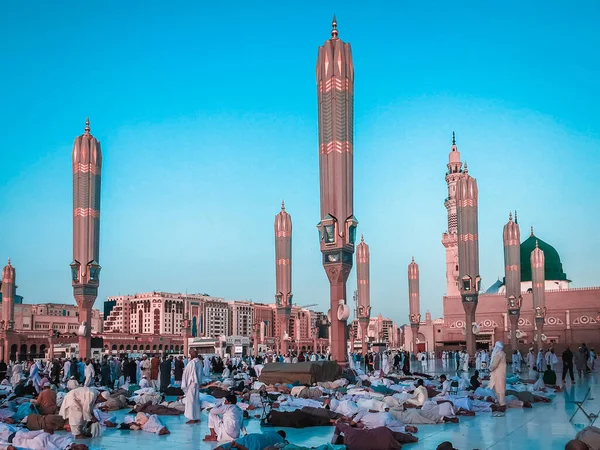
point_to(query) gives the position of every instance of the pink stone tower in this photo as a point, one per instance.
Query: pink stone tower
(468, 251)
(363, 259)
(9, 289)
(511, 237)
(85, 268)
(539, 293)
(283, 274)
(335, 92)
(414, 301)
(450, 238)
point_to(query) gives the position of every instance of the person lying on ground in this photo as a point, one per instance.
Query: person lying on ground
(255, 441)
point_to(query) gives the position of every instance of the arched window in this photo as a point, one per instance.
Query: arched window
(121, 347)
(157, 321)
(33, 350)
(135, 347)
(141, 321)
(194, 327)
(114, 347)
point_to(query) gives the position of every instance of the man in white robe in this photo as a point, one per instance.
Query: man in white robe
(207, 367)
(78, 408)
(34, 376)
(190, 384)
(17, 372)
(66, 370)
(89, 373)
(226, 422)
(419, 396)
(34, 440)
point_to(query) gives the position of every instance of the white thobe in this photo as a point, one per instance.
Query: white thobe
(379, 419)
(34, 440)
(89, 375)
(78, 407)
(206, 367)
(227, 421)
(190, 384)
(144, 383)
(34, 376)
(17, 371)
(66, 370)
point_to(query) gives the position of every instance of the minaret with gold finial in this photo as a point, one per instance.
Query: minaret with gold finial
(337, 227)
(538, 279)
(414, 302)
(85, 268)
(363, 260)
(283, 275)
(467, 196)
(511, 237)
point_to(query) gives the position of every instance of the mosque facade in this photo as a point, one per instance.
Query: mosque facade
(571, 315)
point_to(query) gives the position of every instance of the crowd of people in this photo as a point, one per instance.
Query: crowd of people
(377, 404)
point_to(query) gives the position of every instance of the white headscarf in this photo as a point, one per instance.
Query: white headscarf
(498, 347)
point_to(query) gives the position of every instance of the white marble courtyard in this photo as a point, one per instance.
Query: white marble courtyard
(545, 426)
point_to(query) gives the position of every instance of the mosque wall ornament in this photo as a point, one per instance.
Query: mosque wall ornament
(584, 320)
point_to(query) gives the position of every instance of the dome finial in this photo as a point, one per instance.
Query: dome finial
(532, 232)
(536, 244)
(453, 138)
(282, 205)
(510, 216)
(87, 125)
(334, 31)
(413, 259)
(9, 261)
(362, 237)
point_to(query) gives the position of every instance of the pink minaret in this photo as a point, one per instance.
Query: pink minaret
(335, 91)
(9, 291)
(414, 301)
(511, 237)
(85, 268)
(539, 291)
(468, 251)
(364, 290)
(450, 238)
(283, 274)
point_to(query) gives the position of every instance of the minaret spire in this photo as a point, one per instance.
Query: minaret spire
(87, 125)
(334, 31)
(516, 221)
(282, 205)
(453, 138)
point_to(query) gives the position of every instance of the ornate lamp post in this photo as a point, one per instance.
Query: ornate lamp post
(363, 260)
(511, 237)
(414, 302)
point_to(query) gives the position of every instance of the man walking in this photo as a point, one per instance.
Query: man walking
(567, 358)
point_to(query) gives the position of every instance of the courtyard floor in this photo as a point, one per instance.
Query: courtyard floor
(545, 426)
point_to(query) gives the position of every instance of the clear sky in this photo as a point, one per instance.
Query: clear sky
(207, 116)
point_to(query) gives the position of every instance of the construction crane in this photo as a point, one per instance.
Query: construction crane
(308, 306)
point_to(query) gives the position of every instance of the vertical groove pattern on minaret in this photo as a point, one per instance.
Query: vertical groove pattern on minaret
(413, 293)
(283, 258)
(512, 258)
(538, 278)
(87, 167)
(363, 279)
(335, 93)
(468, 227)
(9, 279)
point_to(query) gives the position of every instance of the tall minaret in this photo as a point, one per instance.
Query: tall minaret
(85, 268)
(450, 239)
(539, 293)
(283, 275)
(414, 302)
(468, 251)
(335, 92)
(9, 291)
(511, 237)
(363, 260)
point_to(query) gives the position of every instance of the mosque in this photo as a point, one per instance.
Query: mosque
(572, 315)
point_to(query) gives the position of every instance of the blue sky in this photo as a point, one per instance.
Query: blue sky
(207, 118)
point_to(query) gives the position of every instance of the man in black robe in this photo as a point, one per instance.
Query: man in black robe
(165, 373)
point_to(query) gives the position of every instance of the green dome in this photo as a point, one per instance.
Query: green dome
(553, 269)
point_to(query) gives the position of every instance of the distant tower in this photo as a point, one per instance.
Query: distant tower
(450, 238)
(414, 302)
(363, 260)
(468, 251)
(511, 237)
(335, 92)
(9, 291)
(85, 268)
(283, 275)
(539, 291)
